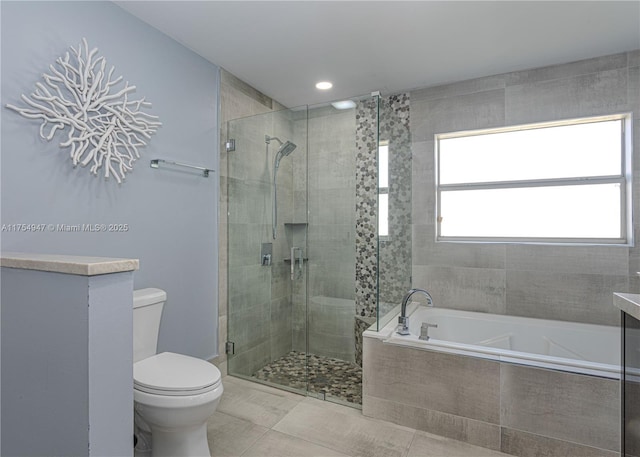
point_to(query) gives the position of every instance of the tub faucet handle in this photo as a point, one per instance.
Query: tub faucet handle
(424, 330)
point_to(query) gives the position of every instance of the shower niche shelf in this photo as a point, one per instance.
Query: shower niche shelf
(305, 259)
(296, 224)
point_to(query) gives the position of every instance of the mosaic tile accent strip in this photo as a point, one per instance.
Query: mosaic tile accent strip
(336, 378)
(366, 206)
(392, 258)
(394, 261)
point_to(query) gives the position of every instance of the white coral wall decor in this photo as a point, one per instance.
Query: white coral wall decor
(103, 127)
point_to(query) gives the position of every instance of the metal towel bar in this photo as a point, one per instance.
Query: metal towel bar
(155, 163)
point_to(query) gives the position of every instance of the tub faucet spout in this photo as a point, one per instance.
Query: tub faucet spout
(403, 320)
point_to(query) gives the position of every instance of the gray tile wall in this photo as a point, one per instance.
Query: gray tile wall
(328, 179)
(332, 164)
(553, 282)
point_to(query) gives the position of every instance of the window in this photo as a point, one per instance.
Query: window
(383, 190)
(559, 182)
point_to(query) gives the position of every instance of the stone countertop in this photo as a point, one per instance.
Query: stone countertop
(629, 303)
(75, 265)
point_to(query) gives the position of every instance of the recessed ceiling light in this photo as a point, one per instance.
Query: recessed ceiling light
(324, 85)
(344, 104)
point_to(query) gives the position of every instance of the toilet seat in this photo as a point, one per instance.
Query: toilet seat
(175, 375)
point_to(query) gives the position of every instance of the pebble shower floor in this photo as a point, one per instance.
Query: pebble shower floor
(333, 377)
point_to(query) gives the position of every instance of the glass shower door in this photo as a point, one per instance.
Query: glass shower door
(267, 248)
(300, 301)
(333, 373)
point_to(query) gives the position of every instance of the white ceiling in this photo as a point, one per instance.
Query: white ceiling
(282, 48)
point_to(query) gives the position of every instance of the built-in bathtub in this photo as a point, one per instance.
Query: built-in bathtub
(568, 346)
(520, 385)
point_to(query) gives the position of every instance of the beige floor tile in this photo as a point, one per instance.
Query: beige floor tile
(276, 444)
(263, 388)
(336, 407)
(229, 436)
(307, 427)
(259, 404)
(344, 431)
(428, 445)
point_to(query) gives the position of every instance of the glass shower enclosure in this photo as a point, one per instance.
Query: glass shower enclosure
(294, 316)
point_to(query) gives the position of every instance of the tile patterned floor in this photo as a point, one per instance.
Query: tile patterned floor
(335, 378)
(254, 420)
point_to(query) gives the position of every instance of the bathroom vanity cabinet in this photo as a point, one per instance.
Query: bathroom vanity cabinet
(629, 305)
(67, 357)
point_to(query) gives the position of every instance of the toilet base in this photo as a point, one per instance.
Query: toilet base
(178, 424)
(187, 443)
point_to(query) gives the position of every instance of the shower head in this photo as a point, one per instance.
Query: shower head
(286, 149)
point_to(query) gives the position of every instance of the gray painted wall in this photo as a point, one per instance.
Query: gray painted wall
(172, 216)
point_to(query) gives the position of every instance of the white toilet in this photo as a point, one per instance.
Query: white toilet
(173, 394)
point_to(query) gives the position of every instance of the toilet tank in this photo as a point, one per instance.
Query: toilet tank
(147, 311)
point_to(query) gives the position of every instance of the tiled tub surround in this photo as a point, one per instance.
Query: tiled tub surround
(361, 324)
(517, 409)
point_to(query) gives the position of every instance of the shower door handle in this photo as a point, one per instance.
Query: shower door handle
(295, 260)
(300, 262)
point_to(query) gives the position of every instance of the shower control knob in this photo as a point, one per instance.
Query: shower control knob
(266, 260)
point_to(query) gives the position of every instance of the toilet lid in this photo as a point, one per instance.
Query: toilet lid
(175, 374)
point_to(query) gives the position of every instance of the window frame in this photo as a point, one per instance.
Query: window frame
(624, 179)
(383, 191)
